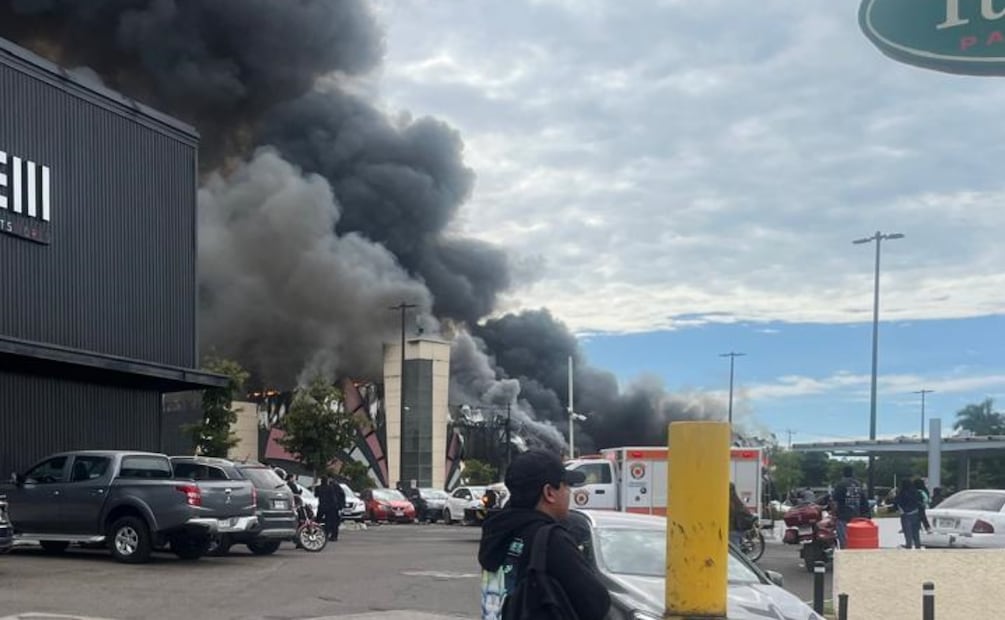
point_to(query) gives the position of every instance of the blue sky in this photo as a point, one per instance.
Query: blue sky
(814, 379)
(678, 179)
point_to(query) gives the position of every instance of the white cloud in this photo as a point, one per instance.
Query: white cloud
(659, 159)
(858, 385)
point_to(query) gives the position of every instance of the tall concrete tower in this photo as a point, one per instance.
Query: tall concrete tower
(417, 437)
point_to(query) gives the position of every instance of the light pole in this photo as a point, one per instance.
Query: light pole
(403, 308)
(878, 238)
(923, 392)
(732, 358)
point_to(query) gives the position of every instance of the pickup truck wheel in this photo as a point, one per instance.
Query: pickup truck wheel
(188, 547)
(264, 547)
(129, 540)
(219, 545)
(54, 546)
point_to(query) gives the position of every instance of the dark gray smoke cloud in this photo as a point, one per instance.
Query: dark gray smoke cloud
(533, 348)
(280, 289)
(218, 64)
(400, 184)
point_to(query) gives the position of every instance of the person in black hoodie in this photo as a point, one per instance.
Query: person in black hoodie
(539, 485)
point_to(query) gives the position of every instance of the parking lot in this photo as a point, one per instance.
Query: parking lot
(408, 569)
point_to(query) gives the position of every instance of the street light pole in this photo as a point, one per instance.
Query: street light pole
(509, 444)
(403, 308)
(572, 429)
(923, 392)
(732, 358)
(878, 238)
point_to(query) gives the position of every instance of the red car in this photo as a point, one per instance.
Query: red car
(388, 505)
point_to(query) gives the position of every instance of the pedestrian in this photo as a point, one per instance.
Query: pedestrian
(329, 510)
(926, 501)
(937, 497)
(539, 486)
(908, 502)
(849, 502)
(740, 519)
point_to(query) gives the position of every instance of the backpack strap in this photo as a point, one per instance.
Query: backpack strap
(539, 548)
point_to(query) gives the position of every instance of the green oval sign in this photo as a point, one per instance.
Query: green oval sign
(956, 36)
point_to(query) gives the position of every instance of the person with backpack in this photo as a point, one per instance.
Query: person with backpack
(849, 502)
(531, 568)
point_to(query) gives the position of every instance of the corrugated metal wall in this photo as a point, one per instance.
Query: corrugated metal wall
(119, 275)
(43, 415)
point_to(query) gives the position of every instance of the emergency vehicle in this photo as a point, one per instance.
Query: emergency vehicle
(635, 479)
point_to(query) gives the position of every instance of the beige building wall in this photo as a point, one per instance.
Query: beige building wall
(246, 430)
(438, 351)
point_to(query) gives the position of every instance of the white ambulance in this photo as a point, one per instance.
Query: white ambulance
(635, 479)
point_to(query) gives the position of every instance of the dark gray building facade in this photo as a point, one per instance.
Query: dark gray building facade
(98, 296)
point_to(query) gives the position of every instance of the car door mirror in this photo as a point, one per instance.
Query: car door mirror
(776, 578)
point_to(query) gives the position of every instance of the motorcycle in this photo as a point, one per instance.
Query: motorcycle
(311, 535)
(811, 526)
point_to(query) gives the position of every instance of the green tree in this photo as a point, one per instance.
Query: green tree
(815, 469)
(477, 472)
(317, 429)
(358, 475)
(212, 436)
(787, 470)
(980, 419)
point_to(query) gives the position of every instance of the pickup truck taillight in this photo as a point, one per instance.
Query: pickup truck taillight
(192, 494)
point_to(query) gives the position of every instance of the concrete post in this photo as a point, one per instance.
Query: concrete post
(934, 453)
(698, 520)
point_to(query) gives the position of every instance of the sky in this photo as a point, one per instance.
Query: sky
(677, 179)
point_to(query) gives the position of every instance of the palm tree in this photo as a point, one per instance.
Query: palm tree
(980, 419)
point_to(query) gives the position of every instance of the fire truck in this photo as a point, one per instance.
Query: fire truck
(635, 479)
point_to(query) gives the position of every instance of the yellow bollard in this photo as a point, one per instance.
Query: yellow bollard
(697, 519)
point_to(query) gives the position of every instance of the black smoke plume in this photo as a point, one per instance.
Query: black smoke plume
(400, 184)
(219, 64)
(533, 348)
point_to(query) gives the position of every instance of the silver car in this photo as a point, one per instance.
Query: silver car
(629, 552)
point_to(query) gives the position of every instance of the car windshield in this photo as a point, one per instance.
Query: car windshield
(263, 477)
(625, 551)
(349, 493)
(433, 494)
(974, 500)
(477, 492)
(388, 495)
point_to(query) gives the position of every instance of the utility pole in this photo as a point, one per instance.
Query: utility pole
(923, 392)
(403, 308)
(878, 238)
(509, 445)
(790, 432)
(572, 422)
(732, 357)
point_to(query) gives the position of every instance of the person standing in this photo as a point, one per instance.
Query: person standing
(329, 511)
(908, 502)
(740, 519)
(539, 486)
(849, 503)
(925, 501)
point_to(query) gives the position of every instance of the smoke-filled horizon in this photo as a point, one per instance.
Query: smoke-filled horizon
(318, 211)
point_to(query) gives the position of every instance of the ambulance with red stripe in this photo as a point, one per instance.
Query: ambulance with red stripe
(635, 479)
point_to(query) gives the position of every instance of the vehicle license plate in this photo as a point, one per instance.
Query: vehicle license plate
(805, 529)
(281, 504)
(945, 523)
(399, 513)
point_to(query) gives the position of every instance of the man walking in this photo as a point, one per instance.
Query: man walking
(849, 503)
(330, 506)
(538, 484)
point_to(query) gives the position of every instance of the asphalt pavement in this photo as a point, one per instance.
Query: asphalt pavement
(393, 572)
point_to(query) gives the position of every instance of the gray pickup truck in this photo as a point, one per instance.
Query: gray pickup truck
(129, 501)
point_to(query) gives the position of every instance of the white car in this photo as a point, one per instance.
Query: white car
(354, 506)
(461, 499)
(969, 519)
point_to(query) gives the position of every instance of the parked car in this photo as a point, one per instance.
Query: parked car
(277, 518)
(129, 501)
(629, 552)
(494, 499)
(388, 505)
(461, 504)
(428, 502)
(973, 519)
(6, 531)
